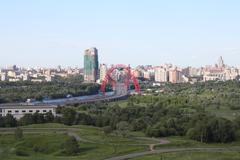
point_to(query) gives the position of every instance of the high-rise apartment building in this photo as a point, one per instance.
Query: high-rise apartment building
(161, 74)
(175, 76)
(103, 71)
(91, 65)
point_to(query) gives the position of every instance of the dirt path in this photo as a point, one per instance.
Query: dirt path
(158, 141)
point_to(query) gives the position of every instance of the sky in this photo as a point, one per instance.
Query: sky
(48, 33)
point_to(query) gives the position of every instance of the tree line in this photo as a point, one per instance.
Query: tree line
(59, 88)
(156, 121)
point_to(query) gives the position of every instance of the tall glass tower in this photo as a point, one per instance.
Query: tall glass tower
(91, 65)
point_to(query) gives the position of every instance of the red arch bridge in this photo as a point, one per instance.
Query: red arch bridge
(120, 77)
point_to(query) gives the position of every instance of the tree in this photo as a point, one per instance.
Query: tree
(49, 117)
(152, 132)
(38, 118)
(18, 133)
(222, 130)
(26, 119)
(107, 130)
(237, 122)
(123, 128)
(10, 121)
(2, 122)
(69, 115)
(141, 123)
(215, 129)
(71, 146)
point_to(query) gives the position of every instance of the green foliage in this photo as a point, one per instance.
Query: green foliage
(49, 117)
(200, 155)
(59, 88)
(107, 130)
(21, 152)
(181, 109)
(2, 124)
(36, 118)
(237, 122)
(211, 129)
(69, 116)
(123, 128)
(9, 121)
(18, 133)
(47, 143)
(71, 146)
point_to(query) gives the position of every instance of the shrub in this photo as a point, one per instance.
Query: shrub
(71, 146)
(21, 152)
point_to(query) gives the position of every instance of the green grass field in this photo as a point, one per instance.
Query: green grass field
(183, 142)
(48, 140)
(44, 142)
(194, 156)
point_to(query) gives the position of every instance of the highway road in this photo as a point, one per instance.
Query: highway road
(84, 99)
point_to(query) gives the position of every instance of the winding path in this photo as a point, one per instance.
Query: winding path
(152, 150)
(157, 140)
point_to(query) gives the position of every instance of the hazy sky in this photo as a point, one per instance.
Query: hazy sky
(56, 32)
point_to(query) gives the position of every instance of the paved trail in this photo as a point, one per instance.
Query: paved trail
(157, 140)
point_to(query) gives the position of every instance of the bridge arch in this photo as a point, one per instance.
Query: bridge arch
(129, 77)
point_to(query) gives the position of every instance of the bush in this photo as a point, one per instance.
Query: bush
(39, 148)
(21, 152)
(71, 146)
(69, 116)
(107, 130)
(152, 132)
(18, 134)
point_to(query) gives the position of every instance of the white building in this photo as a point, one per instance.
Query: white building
(214, 76)
(161, 74)
(231, 73)
(19, 110)
(48, 78)
(12, 74)
(3, 77)
(103, 71)
(149, 74)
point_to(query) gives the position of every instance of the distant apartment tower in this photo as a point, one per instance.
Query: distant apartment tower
(161, 74)
(175, 76)
(149, 75)
(103, 71)
(91, 65)
(221, 62)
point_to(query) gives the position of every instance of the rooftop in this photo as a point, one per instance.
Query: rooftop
(25, 105)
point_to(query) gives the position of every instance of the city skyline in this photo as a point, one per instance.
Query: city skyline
(52, 33)
(215, 62)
